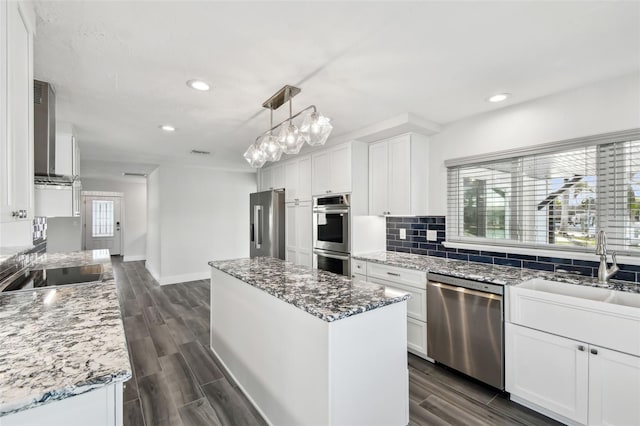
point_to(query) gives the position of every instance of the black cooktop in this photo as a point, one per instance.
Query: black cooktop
(55, 276)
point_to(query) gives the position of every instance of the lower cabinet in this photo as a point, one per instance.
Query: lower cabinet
(405, 281)
(98, 407)
(571, 380)
(298, 233)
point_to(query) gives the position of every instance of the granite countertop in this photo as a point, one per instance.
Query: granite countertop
(8, 252)
(495, 274)
(325, 295)
(58, 342)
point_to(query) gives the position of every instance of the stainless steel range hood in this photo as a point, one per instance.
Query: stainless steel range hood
(44, 135)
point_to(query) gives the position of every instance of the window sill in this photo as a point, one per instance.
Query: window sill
(621, 259)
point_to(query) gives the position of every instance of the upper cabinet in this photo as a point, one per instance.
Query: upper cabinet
(398, 176)
(331, 170)
(67, 153)
(17, 23)
(297, 181)
(272, 177)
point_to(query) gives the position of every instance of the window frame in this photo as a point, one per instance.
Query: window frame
(605, 183)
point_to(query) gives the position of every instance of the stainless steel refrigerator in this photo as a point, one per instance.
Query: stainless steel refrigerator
(267, 224)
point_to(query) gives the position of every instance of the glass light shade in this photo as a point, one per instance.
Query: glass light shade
(270, 146)
(316, 128)
(255, 156)
(290, 139)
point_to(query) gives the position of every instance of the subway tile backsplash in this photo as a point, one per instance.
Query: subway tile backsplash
(417, 243)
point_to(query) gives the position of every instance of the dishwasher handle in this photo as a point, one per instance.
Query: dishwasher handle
(461, 289)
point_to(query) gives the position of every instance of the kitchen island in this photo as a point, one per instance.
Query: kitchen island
(309, 347)
(64, 356)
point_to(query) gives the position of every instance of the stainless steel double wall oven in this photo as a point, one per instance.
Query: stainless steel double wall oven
(331, 230)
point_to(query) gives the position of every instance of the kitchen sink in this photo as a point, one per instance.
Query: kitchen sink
(583, 292)
(597, 316)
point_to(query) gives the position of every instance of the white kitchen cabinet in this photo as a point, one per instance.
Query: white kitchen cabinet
(331, 170)
(547, 370)
(398, 176)
(405, 281)
(358, 278)
(272, 177)
(16, 122)
(298, 233)
(298, 179)
(571, 380)
(99, 407)
(614, 387)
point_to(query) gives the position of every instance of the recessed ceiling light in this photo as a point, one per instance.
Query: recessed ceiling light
(168, 128)
(199, 85)
(499, 97)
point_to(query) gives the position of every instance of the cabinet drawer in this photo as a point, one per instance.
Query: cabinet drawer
(417, 303)
(417, 336)
(358, 278)
(359, 267)
(408, 277)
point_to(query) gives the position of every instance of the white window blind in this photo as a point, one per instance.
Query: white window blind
(554, 199)
(102, 218)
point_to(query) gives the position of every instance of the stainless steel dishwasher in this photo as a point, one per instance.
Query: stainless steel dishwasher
(465, 327)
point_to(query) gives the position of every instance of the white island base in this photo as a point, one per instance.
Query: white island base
(298, 369)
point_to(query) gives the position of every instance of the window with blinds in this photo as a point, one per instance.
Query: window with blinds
(102, 217)
(554, 198)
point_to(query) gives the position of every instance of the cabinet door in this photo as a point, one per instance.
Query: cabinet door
(378, 179)
(417, 336)
(320, 173)
(291, 181)
(20, 111)
(400, 175)
(416, 305)
(614, 388)
(304, 179)
(304, 233)
(340, 167)
(358, 278)
(5, 205)
(76, 157)
(291, 226)
(278, 176)
(547, 370)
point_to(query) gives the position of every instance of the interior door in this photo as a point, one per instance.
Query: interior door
(103, 224)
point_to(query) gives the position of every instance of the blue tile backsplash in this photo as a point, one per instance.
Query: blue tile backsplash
(417, 243)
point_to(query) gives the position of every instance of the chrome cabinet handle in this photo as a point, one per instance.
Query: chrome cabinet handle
(395, 274)
(581, 348)
(594, 351)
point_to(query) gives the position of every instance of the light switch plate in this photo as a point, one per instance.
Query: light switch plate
(432, 235)
(403, 234)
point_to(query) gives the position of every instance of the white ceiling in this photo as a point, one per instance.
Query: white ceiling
(119, 68)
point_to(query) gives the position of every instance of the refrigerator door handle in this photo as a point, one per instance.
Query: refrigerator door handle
(257, 229)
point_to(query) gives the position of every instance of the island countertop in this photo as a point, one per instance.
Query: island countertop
(325, 295)
(58, 342)
(495, 274)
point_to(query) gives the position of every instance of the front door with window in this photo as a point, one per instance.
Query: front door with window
(103, 225)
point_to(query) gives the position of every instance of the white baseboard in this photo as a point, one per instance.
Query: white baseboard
(184, 278)
(134, 258)
(152, 270)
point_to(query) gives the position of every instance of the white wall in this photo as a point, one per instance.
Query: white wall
(135, 213)
(153, 224)
(202, 215)
(607, 106)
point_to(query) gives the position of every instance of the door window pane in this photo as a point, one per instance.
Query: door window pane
(102, 218)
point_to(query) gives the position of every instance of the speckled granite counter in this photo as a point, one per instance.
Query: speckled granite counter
(58, 342)
(327, 296)
(496, 274)
(7, 253)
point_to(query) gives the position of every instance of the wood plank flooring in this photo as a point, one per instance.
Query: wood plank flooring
(177, 380)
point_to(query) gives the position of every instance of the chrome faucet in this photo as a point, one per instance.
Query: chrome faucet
(604, 273)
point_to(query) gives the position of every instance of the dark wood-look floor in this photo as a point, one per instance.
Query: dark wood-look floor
(179, 382)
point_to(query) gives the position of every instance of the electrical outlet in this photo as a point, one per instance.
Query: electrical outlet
(403, 234)
(432, 235)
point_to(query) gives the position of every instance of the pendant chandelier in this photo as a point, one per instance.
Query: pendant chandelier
(285, 137)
